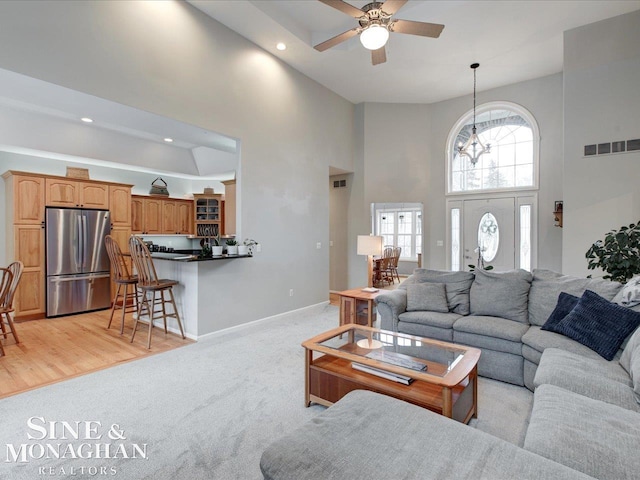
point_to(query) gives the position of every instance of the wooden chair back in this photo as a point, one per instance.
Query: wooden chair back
(119, 266)
(396, 256)
(16, 269)
(387, 252)
(143, 262)
(6, 277)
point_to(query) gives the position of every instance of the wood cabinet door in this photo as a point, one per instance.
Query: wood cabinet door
(137, 214)
(29, 249)
(184, 217)
(120, 205)
(94, 195)
(152, 216)
(28, 200)
(62, 193)
(169, 223)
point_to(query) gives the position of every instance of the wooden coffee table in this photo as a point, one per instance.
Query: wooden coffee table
(448, 386)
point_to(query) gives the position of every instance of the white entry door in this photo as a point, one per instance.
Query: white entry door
(489, 230)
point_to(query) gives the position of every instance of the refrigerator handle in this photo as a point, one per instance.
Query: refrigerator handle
(84, 242)
(78, 250)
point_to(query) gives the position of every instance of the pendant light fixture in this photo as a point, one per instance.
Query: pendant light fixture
(474, 147)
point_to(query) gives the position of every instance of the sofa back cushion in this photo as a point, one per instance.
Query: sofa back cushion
(428, 297)
(457, 286)
(501, 294)
(547, 286)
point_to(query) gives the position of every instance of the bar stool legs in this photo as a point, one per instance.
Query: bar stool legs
(150, 304)
(125, 298)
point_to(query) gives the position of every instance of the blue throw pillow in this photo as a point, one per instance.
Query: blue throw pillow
(566, 303)
(599, 324)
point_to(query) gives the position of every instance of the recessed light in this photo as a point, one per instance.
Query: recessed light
(168, 140)
(281, 46)
(87, 120)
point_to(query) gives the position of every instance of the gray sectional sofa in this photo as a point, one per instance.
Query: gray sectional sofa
(585, 420)
(500, 313)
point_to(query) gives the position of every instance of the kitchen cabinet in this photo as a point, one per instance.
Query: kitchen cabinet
(229, 207)
(61, 192)
(151, 215)
(120, 205)
(209, 215)
(29, 249)
(26, 193)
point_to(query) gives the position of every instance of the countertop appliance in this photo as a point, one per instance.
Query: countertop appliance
(78, 276)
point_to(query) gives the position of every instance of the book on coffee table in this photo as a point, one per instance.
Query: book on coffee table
(395, 377)
(397, 359)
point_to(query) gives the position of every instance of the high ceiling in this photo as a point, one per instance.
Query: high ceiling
(512, 40)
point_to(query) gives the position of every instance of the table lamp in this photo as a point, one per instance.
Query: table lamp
(370, 245)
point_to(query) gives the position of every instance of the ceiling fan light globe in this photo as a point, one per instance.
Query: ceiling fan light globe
(374, 37)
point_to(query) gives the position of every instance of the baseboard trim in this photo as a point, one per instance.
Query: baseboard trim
(253, 323)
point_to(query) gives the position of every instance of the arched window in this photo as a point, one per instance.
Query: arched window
(512, 162)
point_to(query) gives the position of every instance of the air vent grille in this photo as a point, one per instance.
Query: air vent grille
(339, 183)
(620, 146)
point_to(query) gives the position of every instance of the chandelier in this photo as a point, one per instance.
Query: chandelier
(474, 147)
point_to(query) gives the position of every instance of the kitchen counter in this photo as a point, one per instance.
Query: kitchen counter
(182, 257)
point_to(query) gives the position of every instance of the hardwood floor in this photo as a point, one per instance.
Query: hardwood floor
(55, 349)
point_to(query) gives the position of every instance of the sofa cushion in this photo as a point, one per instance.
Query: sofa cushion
(566, 303)
(547, 285)
(457, 286)
(434, 319)
(597, 438)
(629, 294)
(344, 442)
(593, 378)
(427, 331)
(503, 294)
(632, 347)
(599, 324)
(430, 297)
(491, 326)
(538, 340)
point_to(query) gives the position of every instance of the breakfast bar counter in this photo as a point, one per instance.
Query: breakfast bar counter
(196, 294)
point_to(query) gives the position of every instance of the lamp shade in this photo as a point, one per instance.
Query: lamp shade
(370, 245)
(374, 37)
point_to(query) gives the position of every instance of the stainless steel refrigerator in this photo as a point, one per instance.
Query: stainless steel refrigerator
(77, 261)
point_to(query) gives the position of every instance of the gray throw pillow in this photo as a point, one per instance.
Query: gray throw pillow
(501, 294)
(427, 297)
(457, 286)
(629, 294)
(632, 348)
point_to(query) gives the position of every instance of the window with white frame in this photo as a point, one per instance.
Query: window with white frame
(512, 162)
(401, 226)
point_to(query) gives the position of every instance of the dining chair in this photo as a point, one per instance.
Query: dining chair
(123, 279)
(151, 286)
(393, 264)
(8, 285)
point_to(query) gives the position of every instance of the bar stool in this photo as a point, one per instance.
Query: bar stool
(151, 285)
(122, 278)
(9, 278)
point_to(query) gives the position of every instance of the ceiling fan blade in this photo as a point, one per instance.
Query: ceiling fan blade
(416, 28)
(378, 56)
(392, 6)
(332, 42)
(344, 7)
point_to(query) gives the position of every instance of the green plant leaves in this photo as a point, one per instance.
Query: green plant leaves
(618, 255)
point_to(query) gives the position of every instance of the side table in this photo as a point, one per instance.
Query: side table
(357, 307)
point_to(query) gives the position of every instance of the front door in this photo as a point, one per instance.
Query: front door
(489, 231)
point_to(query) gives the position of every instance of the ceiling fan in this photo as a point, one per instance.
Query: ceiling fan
(375, 24)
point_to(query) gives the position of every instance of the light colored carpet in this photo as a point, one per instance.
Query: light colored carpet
(205, 411)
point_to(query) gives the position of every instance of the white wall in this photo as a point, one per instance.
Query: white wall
(602, 104)
(169, 58)
(405, 159)
(338, 232)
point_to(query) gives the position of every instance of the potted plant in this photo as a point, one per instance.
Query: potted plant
(250, 244)
(618, 254)
(216, 248)
(232, 247)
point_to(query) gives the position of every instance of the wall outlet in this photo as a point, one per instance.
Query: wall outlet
(439, 243)
(259, 247)
(318, 245)
(331, 243)
(291, 292)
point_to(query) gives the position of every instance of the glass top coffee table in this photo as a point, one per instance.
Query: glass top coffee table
(440, 376)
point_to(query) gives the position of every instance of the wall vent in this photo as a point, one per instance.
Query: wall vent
(339, 183)
(620, 146)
